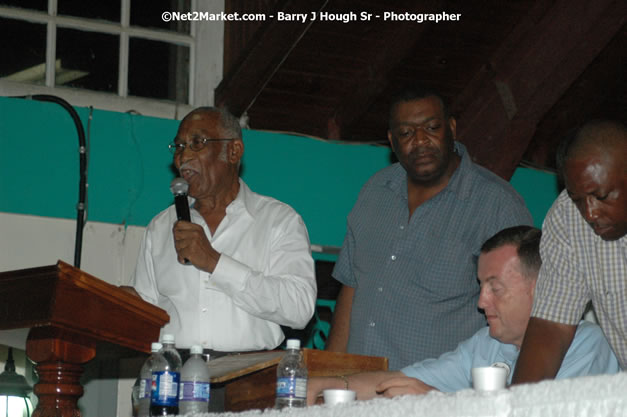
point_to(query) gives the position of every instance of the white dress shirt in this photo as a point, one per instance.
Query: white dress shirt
(264, 278)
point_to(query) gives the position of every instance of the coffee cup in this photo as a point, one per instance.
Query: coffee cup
(336, 396)
(489, 378)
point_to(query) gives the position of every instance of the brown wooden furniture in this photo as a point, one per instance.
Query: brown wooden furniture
(250, 379)
(69, 312)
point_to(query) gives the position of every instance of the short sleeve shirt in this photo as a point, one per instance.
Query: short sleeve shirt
(415, 281)
(579, 266)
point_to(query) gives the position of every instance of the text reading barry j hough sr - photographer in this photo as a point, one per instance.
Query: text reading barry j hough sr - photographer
(313, 16)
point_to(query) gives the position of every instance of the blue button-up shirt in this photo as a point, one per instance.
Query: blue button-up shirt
(415, 280)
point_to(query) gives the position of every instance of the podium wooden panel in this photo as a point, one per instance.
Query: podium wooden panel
(68, 312)
(250, 379)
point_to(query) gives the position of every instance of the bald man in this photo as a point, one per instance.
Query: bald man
(584, 252)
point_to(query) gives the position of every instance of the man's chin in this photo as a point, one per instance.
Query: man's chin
(609, 233)
(492, 329)
(427, 176)
(611, 238)
(492, 334)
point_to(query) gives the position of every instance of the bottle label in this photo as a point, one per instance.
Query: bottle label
(194, 391)
(165, 388)
(145, 388)
(291, 388)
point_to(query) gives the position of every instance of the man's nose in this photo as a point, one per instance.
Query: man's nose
(591, 209)
(420, 135)
(185, 154)
(482, 303)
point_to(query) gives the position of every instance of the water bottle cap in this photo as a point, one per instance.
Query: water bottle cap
(167, 338)
(156, 346)
(293, 344)
(195, 349)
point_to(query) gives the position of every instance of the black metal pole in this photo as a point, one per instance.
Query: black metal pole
(82, 187)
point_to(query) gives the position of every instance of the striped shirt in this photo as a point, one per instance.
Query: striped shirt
(415, 279)
(579, 266)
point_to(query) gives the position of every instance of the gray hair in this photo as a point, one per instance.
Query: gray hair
(229, 123)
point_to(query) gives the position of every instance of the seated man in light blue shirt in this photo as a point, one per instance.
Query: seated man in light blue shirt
(507, 269)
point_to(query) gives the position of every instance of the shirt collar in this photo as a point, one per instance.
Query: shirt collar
(243, 201)
(461, 183)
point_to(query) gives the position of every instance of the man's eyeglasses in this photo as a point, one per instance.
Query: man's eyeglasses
(196, 144)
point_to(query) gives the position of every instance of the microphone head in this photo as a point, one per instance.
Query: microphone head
(179, 186)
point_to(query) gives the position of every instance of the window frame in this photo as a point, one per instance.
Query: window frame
(205, 69)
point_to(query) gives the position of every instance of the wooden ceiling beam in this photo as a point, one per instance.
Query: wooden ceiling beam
(603, 78)
(398, 43)
(267, 51)
(530, 71)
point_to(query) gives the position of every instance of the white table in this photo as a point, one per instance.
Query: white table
(598, 396)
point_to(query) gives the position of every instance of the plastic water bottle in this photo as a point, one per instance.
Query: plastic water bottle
(145, 381)
(166, 375)
(194, 387)
(291, 383)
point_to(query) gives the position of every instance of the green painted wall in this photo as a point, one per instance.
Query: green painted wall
(130, 169)
(538, 188)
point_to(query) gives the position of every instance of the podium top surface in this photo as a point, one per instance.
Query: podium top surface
(66, 298)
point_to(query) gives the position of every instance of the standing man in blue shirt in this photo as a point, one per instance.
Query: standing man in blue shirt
(508, 270)
(408, 263)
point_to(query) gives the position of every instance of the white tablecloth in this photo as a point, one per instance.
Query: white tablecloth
(598, 396)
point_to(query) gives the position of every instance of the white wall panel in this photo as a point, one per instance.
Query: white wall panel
(109, 250)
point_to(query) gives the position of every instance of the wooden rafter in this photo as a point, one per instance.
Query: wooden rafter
(534, 66)
(241, 86)
(602, 79)
(375, 77)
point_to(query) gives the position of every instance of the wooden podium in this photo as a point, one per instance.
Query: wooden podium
(69, 312)
(250, 379)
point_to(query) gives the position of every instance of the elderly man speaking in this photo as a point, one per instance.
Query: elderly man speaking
(507, 269)
(250, 268)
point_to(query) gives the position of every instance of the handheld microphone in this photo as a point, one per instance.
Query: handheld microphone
(179, 188)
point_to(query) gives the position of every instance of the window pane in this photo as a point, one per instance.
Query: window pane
(41, 5)
(158, 70)
(147, 13)
(23, 61)
(88, 60)
(107, 9)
